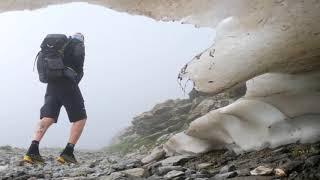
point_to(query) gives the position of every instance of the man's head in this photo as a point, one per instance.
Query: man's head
(78, 36)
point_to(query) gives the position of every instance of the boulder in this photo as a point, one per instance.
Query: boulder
(136, 172)
(3, 168)
(165, 169)
(292, 166)
(156, 154)
(312, 161)
(227, 168)
(175, 160)
(224, 176)
(173, 174)
(204, 165)
(114, 176)
(279, 172)
(261, 170)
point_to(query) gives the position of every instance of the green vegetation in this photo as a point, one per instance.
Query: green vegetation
(300, 150)
(128, 145)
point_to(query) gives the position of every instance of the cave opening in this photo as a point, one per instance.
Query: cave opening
(131, 64)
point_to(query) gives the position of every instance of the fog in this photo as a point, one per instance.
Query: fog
(131, 64)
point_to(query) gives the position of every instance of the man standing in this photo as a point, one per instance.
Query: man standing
(63, 91)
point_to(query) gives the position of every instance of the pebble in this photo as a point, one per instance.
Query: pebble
(136, 172)
(173, 174)
(227, 168)
(174, 160)
(3, 168)
(261, 170)
(204, 165)
(280, 172)
(224, 176)
(165, 169)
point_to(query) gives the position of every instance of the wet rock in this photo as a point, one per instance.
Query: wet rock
(165, 169)
(155, 177)
(6, 148)
(293, 175)
(3, 168)
(114, 176)
(214, 172)
(227, 168)
(173, 174)
(126, 164)
(281, 150)
(118, 167)
(229, 155)
(243, 172)
(200, 175)
(175, 160)
(112, 160)
(57, 174)
(292, 166)
(204, 165)
(156, 154)
(190, 172)
(224, 176)
(275, 158)
(94, 164)
(81, 172)
(261, 170)
(312, 161)
(280, 172)
(136, 172)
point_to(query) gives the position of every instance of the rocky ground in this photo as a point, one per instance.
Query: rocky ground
(294, 161)
(137, 153)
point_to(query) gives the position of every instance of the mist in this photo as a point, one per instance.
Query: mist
(131, 64)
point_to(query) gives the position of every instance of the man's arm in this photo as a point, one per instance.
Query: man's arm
(79, 54)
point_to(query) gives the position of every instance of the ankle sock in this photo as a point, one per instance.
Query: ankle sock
(34, 148)
(68, 149)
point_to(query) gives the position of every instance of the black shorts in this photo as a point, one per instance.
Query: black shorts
(67, 95)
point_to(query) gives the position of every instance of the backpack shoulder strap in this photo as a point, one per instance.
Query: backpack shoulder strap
(61, 51)
(35, 60)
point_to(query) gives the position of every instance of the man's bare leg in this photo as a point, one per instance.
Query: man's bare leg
(33, 155)
(42, 128)
(76, 131)
(67, 155)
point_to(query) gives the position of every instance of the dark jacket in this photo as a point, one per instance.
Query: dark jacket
(74, 57)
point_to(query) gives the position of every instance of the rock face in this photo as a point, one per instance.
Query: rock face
(164, 120)
(165, 115)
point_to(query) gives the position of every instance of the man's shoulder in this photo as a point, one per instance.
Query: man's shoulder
(78, 47)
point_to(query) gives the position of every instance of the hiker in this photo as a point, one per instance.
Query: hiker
(60, 65)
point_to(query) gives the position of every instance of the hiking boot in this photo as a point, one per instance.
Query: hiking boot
(67, 159)
(33, 159)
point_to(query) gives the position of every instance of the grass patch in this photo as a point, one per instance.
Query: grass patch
(131, 145)
(300, 151)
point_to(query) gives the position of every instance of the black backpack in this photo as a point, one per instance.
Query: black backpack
(50, 59)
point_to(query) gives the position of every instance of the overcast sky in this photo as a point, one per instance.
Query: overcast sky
(131, 64)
